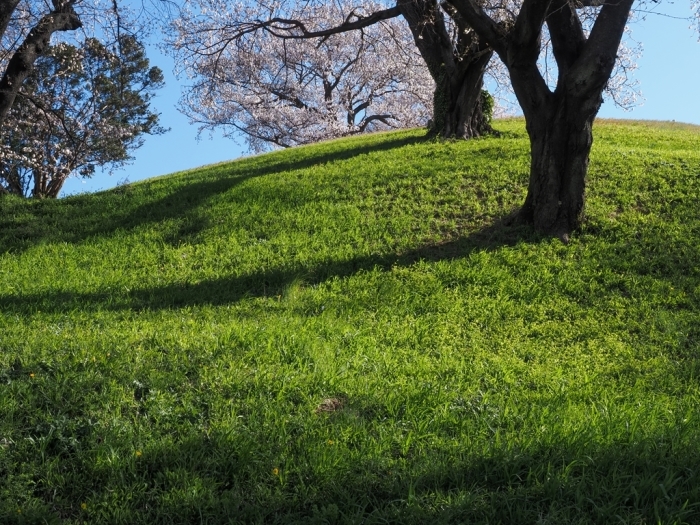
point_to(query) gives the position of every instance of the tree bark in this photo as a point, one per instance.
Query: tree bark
(62, 18)
(51, 188)
(457, 69)
(7, 8)
(459, 104)
(560, 140)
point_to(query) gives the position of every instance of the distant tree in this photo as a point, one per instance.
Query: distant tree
(81, 108)
(289, 92)
(26, 28)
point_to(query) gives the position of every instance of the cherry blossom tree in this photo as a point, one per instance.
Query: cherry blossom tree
(81, 108)
(289, 92)
(210, 32)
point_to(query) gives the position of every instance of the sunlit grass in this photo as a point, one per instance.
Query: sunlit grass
(346, 333)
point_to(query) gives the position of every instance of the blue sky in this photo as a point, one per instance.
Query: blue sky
(669, 76)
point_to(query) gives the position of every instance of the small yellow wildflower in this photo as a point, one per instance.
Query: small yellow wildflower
(83, 506)
(31, 375)
(331, 442)
(138, 453)
(275, 471)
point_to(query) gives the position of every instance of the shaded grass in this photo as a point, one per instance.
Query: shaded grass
(169, 349)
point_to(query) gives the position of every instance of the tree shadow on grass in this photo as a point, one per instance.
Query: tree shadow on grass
(662, 259)
(232, 476)
(75, 219)
(646, 482)
(253, 472)
(226, 475)
(270, 283)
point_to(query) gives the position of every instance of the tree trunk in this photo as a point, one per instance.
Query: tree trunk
(54, 187)
(46, 186)
(560, 139)
(457, 69)
(459, 105)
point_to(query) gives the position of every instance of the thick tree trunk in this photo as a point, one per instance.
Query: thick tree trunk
(459, 104)
(560, 139)
(46, 187)
(457, 69)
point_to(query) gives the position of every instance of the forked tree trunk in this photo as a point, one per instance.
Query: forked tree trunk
(54, 188)
(46, 187)
(559, 123)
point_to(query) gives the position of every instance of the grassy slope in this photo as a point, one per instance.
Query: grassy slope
(166, 348)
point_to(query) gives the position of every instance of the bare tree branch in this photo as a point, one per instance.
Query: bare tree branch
(567, 34)
(482, 23)
(63, 18)
(7, 7)
(285, 28)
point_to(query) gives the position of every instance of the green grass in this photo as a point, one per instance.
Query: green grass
(345, 333)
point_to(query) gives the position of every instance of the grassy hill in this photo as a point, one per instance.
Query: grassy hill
(345, 333)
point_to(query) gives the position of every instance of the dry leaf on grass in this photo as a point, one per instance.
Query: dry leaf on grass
(331, 404)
